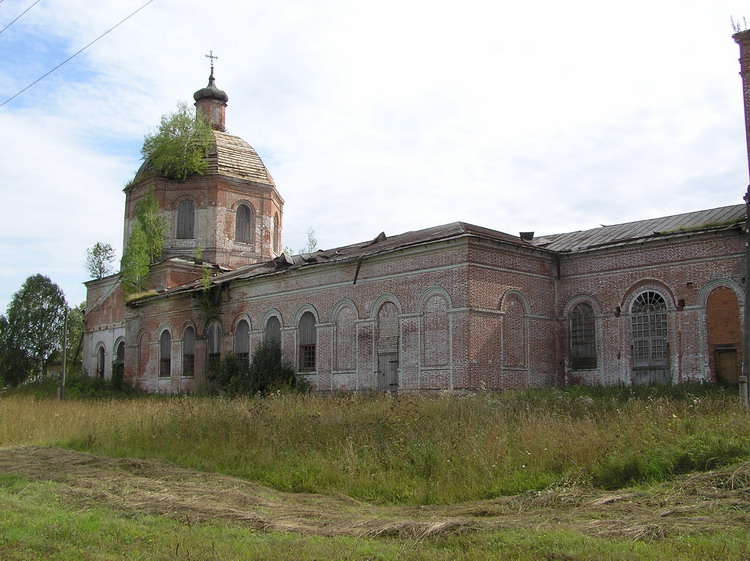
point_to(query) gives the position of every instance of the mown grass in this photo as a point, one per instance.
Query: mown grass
(409, 449)
(38, 524)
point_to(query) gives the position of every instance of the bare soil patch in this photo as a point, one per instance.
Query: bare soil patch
(710, 501)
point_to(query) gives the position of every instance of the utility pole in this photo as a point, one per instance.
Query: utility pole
(742, 38)
(61, 389)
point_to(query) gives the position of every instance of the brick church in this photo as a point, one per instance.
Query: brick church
(453, 307)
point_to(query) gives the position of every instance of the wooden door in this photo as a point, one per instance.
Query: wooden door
(726, 366)
(388, 371)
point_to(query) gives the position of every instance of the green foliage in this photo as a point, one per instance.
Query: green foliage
(15, 363)
(76, 328)
(135, 261)
(266, 372)
(179, 148)
(148, 217)
(99, 260)
(310, 247)
(34, 326)
(145, 244)
(209, 298)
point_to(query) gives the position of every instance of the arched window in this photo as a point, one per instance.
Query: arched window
(214, 347)
(582, 337)
(118, 368)
(650, 347)
(244, 224)
(435, 332)
(273, 330)
(242, 343)
(307, 339)
(188, 352)
(165, 354)
(275, 234)
(185, 219)
(100, 362)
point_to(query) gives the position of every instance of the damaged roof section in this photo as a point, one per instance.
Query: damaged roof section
(722, 218)
(642, 230)
(355, 252)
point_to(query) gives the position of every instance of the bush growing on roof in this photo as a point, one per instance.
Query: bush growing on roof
(180, 146)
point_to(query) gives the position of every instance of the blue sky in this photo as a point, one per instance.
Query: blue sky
(387, 116)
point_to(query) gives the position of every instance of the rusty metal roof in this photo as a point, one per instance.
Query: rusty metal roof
(351, 253)
(604, 236)
(617, 234)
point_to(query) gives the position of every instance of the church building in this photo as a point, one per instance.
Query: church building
(455, 307)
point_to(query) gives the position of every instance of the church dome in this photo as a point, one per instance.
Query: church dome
(229, 156)
(211, 91)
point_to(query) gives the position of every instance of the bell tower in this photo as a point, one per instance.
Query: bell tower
(231, 214)
(211, 101)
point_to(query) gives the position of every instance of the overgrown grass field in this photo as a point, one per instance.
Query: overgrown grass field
(410, 449)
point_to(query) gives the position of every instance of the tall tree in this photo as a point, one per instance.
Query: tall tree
(99, 260)
(179, 148)
(15, 362)
(35, 319)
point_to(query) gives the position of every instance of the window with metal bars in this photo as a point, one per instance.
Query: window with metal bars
(244, 224)
(214, 347)
(165, 354)
(186, 219)
(242, 343)
(649, 330)
(307, 340)
(582, 337)
(188, 352)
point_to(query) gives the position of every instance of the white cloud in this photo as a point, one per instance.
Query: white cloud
(542, 116)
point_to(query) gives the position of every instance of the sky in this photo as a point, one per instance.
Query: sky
(391, 116)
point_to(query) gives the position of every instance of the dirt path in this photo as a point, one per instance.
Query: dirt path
(705, 502)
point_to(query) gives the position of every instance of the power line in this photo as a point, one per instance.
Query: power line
(76, 53)
(19, 17)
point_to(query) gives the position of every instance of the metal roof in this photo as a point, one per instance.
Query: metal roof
(604, 236)
(711, 219)
(355, 252)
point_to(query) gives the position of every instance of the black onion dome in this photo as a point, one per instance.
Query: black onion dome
(211, 92)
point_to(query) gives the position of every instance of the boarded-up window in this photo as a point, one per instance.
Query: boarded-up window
(165, 354)
(346, 339)
(242, 343)
(582, 337)
(724, 334)
(142, 354)
(244, 224)
(272, 333)
(185, 219)
(514, 333)
(307, 340)
(435, 332)
(188, 352)
(214, 347)
(275, 234)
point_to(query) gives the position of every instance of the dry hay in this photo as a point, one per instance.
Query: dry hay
(710, 501)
